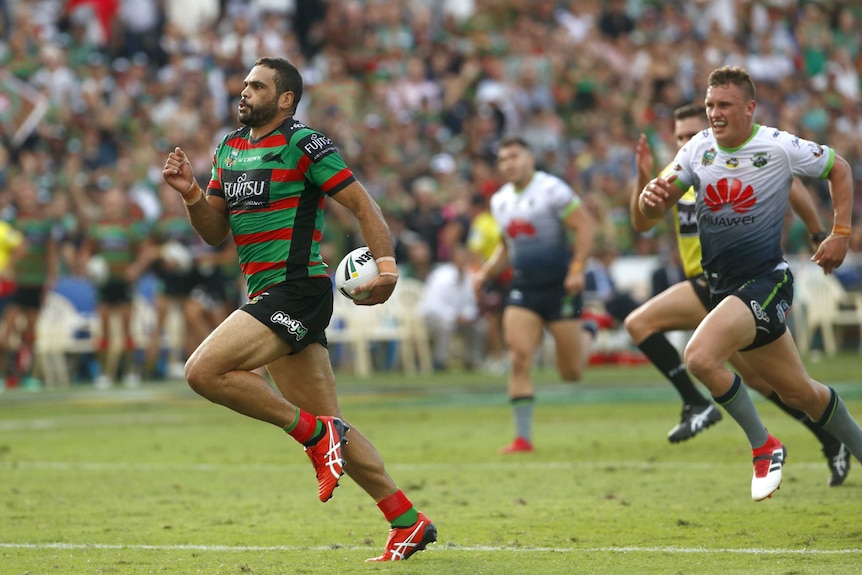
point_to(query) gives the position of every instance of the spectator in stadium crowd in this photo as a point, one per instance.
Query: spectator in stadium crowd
(535, 212)
(173, 263)
(448, 306)
(35, 264)
(216, 290)
(425, 217)
(684, 305)
(600, 287)
(10, 239)
(113, 254)
(669, 270)
(276, 225)
(742, 173)
(607, 83)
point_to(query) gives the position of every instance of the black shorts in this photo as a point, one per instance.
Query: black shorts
(28, 297)
(701, 290)
(550, 302)
(115, 292)
(298, 311)
(176, 285)
(214, 287)
(769, 298)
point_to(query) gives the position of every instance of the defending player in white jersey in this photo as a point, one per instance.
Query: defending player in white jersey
(685, 304)
(536, 212)
(742, 174)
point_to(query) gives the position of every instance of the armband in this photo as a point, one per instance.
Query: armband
(197, 198)
(386, 266)
(843, 231)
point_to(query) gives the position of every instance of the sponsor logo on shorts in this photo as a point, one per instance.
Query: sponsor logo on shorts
(759, 314)
(258, 297)
(294, 326)
(782, 309)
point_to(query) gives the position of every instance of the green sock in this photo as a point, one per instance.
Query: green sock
(406, 519)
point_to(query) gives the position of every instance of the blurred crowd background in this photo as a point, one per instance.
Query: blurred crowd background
(415, 93)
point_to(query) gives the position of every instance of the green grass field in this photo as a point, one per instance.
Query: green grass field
(158, 480)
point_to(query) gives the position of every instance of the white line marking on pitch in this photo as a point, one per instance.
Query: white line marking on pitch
(481, 548)
(278, 467)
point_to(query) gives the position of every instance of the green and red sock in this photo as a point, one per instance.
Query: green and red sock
(398, 510)
(306, 428)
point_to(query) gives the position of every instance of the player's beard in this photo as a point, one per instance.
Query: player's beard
(258, 115)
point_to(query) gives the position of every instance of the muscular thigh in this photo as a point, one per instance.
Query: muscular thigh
(241, 342)
(726, 329)
(677, 307)
(567, 336)
(522, 328)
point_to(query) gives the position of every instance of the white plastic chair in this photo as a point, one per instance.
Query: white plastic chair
(60, 330)
(827, 307)
(396, 321)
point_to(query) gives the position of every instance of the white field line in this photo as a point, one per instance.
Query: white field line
(457, 548)
(76, 421)
(95, 466)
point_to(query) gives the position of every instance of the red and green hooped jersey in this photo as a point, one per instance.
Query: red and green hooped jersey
(275, 189)
(176, 228)
(118, 241)
(31, 269)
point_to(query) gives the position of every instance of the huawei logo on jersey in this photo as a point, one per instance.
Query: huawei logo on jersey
(730, 191)
(520, 228)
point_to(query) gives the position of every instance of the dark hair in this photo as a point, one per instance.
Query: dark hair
(514, 141)
(287, 77)
(735, 75)
(689, 111)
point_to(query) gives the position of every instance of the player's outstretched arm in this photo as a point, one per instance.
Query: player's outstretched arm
(644, 161)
